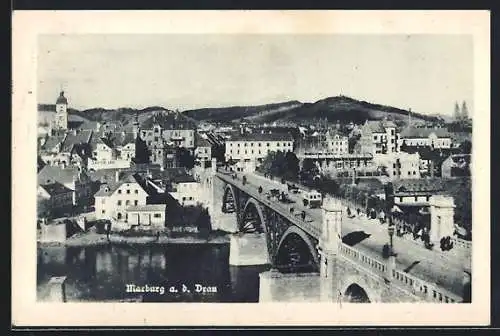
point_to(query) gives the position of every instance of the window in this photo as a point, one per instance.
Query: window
(127, 202)
(245, 144)
(260, 144)
(136, 191)
(252, 151)
(119, 191)
(136, 202)
(251, 144)
(416, 198)
(401, 199)
(119, 203)
(184, 198)
(268, 144)
(230, 151)
(103, 211)
(238, 145)
(157, 215)
(245, 151)
(128, 191)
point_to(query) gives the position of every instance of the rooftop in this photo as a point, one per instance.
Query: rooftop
(417, 132)
(55, 188)
(262, 137)
(50, 174)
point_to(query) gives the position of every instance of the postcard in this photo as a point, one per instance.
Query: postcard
(250, 168)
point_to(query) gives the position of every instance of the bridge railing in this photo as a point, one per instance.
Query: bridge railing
(461, 243)
(414, 285)
(368, 262)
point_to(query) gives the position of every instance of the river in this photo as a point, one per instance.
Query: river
(102, 273)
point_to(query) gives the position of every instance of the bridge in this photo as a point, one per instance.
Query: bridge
(341, 256)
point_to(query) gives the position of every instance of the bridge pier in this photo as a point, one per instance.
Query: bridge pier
(248, 249)
(289, 287)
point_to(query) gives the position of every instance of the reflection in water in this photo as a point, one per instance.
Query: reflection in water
(98, 273)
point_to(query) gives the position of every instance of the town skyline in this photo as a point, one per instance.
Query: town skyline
(86, 68)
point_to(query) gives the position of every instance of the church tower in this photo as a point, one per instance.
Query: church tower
(61, 120)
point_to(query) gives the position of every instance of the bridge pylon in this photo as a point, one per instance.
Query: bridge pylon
(328, 249)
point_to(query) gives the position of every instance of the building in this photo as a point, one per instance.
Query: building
(400, 165)
(337, 143)
(185, 189)
(61, 119)
(256, 146)
(149, 216)
(55, 197)
(378, 137)
(172, 127)
(203, 151)
(416, 193)
(435, 138)
(114, 197)
(106, 156)
(457, 165)
(72, 178)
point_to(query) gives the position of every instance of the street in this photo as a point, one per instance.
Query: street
(429, 265)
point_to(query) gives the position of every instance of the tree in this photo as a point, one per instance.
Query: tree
(203, 222)
(291, 167)
(185, 158)
(466, 147)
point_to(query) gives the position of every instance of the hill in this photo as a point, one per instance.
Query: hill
(235, 113)
(339, 108)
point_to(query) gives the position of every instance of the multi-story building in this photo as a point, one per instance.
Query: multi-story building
(337, 143)
(58, 198)
(172, 127)
(185, 189)
(435, 138)
(256, 146)
(379, 137)
(72, 178)
(203, 151)
(457, 165)
(400, 165)
(114, 197)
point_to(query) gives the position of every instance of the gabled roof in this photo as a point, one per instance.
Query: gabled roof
(123, 138)
(420, 185)
(82, 137)
(183, 179)
(55, 188)
(49, 174)
(169, 121)
(108, 188)
(417, 132)
(52, 141)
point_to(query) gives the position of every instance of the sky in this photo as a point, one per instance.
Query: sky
(425, 73)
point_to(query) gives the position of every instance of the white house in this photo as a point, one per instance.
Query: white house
(379, 137)
(186, 190)
(337, 144)
(113, 198)
(149, 216)
(399, 165)
(256, 146)
(425, 137)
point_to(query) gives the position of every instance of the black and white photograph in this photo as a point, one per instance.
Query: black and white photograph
(256, 168)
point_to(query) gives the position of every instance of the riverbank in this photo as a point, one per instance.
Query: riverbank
(92, 238)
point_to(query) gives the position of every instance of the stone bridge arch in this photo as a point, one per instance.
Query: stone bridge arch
(358, 283)
(229, 197)
(296, 252)
(258, 225)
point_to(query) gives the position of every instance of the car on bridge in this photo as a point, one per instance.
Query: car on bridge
(312, 199)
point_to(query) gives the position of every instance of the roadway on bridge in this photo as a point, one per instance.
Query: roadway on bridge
(428, 265)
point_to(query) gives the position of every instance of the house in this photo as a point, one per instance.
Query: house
(379, 137)
(203, 150)
(114, 197)
(169, 126)
(148, 216)
(337, 143)
(435, 138)
(58, 199)
(409, 192)
(124, 143)
(72, 178)
(105, 155)
(400, 165)
(256, 146)
(185, 189)
(457, 165)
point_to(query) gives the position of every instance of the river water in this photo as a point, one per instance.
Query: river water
(102, 273)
